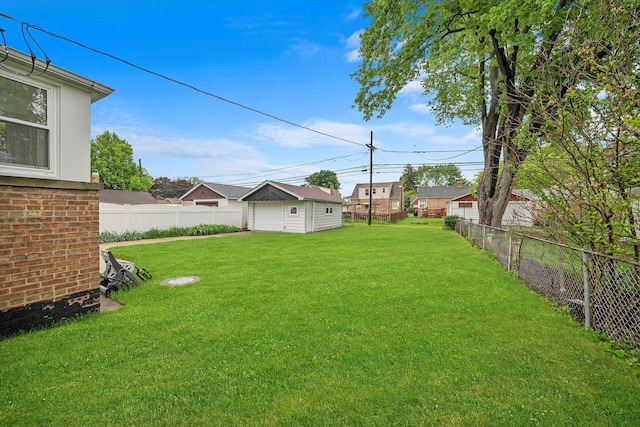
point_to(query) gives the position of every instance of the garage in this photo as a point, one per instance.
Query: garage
(274, 206)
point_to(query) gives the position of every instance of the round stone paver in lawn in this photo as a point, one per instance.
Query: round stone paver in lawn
(180, 281)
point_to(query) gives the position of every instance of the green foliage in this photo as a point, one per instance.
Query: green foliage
(155, 233)
(112, 157)
(501, 64)
(323, 178)
(585, 162)
(164, 187)
(410, 179)
(439, 175)
(450, 222)
(408, 195)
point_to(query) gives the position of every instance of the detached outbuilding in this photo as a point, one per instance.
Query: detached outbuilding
(520, 210)
(275, 206)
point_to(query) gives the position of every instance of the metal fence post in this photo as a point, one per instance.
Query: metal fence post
(509, 255)
(484, 230)
(586, 301)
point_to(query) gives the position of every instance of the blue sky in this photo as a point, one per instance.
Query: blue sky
(288, 59)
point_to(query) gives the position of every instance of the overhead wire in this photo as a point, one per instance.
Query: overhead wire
(24, 28)
(179, 82)
(26, 31)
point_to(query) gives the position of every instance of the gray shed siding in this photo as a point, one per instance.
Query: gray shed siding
(325, 221)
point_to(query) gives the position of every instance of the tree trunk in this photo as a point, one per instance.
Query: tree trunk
(491, 149)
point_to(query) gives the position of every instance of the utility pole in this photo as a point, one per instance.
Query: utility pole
(371, 148)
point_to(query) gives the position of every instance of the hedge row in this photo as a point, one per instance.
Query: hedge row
(154, 233)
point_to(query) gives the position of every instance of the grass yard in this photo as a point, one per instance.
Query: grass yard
(370, 326)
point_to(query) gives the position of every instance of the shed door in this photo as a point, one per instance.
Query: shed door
(268, 216)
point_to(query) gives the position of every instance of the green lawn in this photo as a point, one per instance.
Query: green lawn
(383, 325)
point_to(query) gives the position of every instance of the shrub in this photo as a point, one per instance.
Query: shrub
(450, 222)
(155, 233)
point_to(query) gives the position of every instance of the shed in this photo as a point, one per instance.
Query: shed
(274, 206)
(519, 211)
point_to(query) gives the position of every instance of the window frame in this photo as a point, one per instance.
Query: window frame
(53, 95)
(291, 211)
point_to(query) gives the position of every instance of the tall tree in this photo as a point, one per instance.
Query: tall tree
(409, 178)
(478, 61)
(437, 175)
(323, 178)
(164, 187)
(112, 157)
(587, 156)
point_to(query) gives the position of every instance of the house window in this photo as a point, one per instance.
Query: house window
(329, 211)
(421, 204)
(465, 204)
(366, 191)
(374, 191)
(394, 205)
(24, 124)
(293, 210)
(384, 190)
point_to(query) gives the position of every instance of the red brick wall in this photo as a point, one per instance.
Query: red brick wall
(49, 251)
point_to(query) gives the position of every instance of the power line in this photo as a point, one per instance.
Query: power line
(28, 26)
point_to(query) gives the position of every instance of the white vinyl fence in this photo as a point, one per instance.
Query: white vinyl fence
(120, 218)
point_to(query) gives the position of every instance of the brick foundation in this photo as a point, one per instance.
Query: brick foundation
(49, 245)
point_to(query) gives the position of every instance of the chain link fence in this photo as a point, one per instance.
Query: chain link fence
(600, 291)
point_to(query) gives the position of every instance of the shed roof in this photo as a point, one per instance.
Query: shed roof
(312, 192)
(232, 192)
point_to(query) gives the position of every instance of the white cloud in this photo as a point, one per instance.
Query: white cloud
(412, 88)
(289, 136)
(305, 49)
(354, 14)
(408, 129)
(421, 108)
(353, 47)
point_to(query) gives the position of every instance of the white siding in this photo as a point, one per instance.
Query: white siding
(295, 223)
(70, 136)
(518, 214)
(276, 216)
(466, 213)
(323, 220)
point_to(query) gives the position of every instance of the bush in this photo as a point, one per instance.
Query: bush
(450, 222)
(155, 233)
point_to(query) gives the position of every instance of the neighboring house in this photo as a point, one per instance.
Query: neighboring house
(49, 248)
(218, 195)
(432, 201)
(119, 197)
(275, 206)
(386, 197)
(519, 211)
